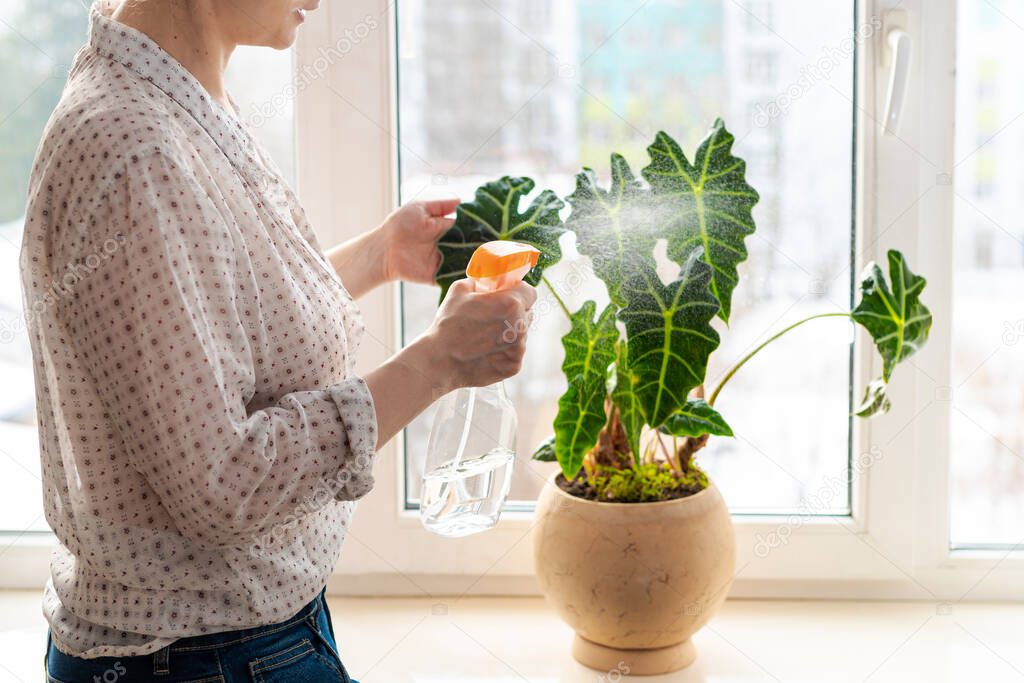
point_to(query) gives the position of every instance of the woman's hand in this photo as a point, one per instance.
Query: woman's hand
(410, 234)
(477, 339)
(403, 247)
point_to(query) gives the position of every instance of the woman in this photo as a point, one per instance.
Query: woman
(194, 361)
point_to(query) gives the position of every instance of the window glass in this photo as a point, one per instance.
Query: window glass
(987, 387)
(260, 81)
(36, 50)
(539, 88)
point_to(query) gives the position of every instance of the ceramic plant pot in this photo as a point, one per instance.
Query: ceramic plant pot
(634, 580)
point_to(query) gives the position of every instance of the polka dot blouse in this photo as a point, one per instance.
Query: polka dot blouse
(203, 436)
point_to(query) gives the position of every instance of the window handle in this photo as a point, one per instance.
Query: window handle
(900, 47)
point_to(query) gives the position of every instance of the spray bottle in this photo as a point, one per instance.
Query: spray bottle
(472, 447)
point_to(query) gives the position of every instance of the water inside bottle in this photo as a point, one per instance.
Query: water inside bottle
(464, 498)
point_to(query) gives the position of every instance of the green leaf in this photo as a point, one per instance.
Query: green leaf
(626, 399)
(545, 452)
(494, 215)
(696, 418)
(669, 336)
(613, 227)
(875, 401)
(894, 316)
(589, 350)
(707, 203)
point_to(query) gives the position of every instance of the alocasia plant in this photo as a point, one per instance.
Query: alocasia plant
(616, 228)
(636, 370)
(669, 336)
(707, 204)
(696, 418)
(895, 318)
(589, 350)
(495, 215)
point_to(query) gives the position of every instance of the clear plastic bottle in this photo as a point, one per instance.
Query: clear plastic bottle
(472, 447)
(470, 457)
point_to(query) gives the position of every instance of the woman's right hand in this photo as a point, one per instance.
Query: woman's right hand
(479, 338)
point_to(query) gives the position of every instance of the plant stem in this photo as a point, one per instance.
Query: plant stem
(551, 288)
(742, 361)
(673, 465)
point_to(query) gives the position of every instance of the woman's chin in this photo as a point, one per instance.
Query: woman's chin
(285, 44)
(284, 39)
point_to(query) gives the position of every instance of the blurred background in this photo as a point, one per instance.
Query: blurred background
(495, 87)
(568, 87)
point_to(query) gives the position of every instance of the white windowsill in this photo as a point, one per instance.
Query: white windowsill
(429, 640)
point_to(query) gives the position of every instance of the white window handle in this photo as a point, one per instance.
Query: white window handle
(900, 47)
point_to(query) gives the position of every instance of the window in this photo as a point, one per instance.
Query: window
(759, 15)
(36, 50)
(987, 380)
(267, 104)
(613, 74)
(760, 67)
(421, 98)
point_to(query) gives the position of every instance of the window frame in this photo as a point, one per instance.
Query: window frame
(895, 542)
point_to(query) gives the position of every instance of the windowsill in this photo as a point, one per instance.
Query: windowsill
(397, 640)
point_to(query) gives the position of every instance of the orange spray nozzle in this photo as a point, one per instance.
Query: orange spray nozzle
(501, 264)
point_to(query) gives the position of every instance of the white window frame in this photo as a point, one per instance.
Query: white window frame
(894, 544)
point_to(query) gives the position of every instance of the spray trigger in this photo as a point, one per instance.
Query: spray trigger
(500, 264)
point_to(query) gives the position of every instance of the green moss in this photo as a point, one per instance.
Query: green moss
(646, 483)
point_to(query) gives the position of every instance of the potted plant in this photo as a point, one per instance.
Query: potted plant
(633, 544)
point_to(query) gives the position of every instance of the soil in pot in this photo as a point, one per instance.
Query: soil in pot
(646, 484)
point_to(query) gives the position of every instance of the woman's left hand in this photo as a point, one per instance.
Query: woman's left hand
(410, 234)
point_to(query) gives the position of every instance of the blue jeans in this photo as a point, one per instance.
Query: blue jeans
(299, 649)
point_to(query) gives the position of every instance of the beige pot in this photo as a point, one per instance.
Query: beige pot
(634, 580)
